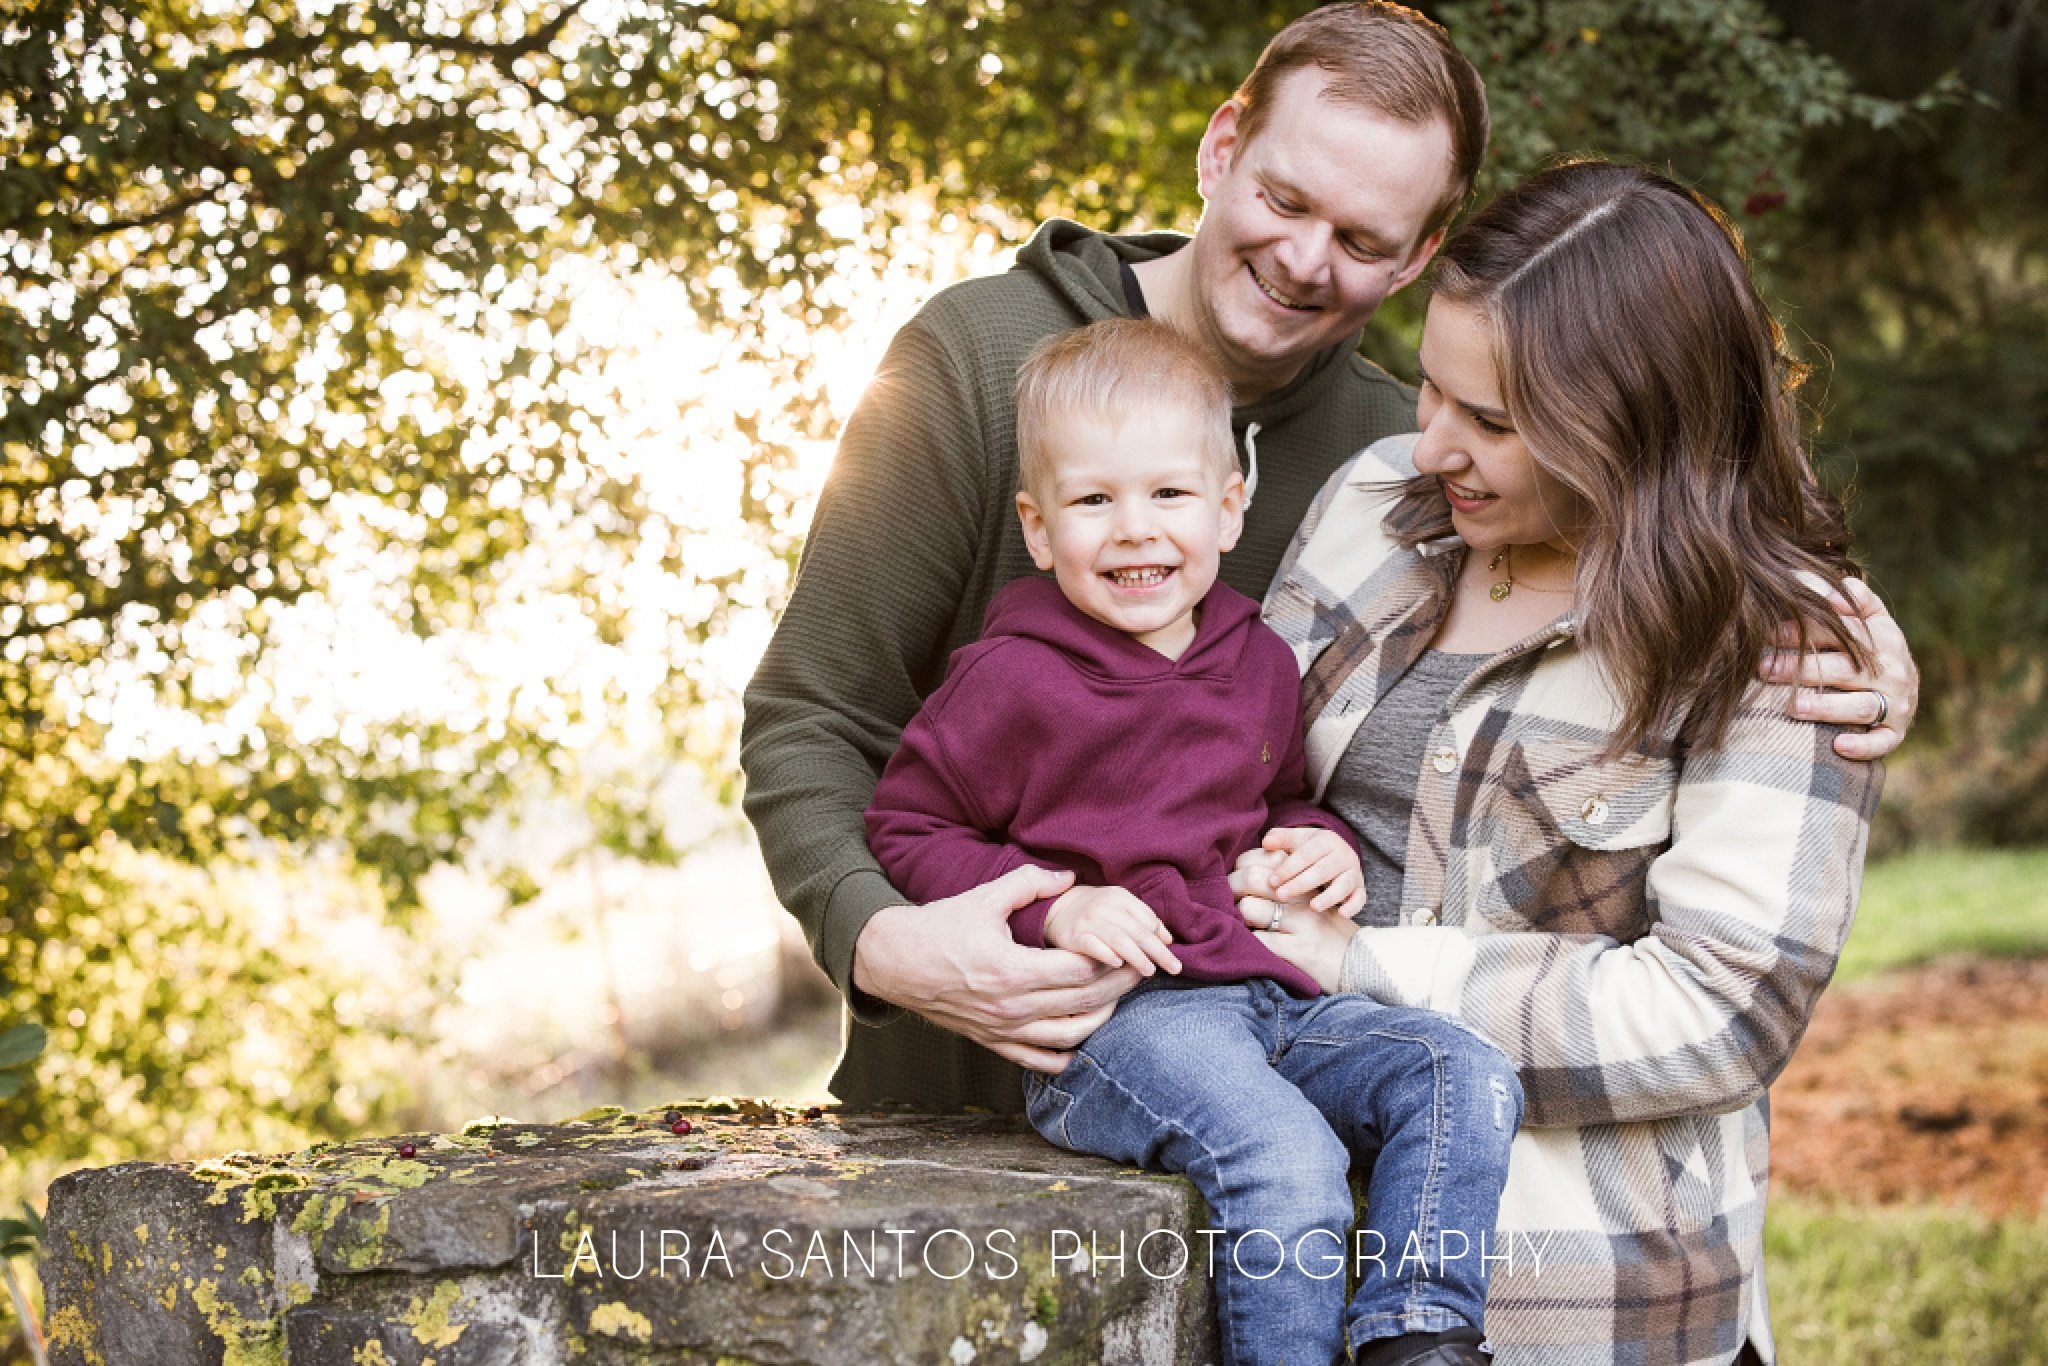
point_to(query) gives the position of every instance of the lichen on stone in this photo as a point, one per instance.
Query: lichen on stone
(244, 1341)
(616, 1320)
(428, 1317)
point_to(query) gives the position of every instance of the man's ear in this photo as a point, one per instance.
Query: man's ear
(1425, 251)
(1037, 539)
(1231, 514)
(1219, 146)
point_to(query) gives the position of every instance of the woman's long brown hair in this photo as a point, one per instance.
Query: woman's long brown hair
(1643, 370)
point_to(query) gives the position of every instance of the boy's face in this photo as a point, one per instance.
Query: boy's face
(1133, 518)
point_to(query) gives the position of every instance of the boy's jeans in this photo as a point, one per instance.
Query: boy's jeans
(1264, 1101)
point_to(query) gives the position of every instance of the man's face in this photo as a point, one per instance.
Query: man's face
(1308, 225)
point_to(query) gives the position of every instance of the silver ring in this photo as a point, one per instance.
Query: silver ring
(1278, 911)
(1884, 708)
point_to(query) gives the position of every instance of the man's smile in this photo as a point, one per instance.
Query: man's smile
(1275, 295)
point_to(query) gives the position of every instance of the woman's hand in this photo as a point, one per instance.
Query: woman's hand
(1830, 689)
(1312, 940)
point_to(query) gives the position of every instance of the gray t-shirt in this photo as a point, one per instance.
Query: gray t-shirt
(1374, 786)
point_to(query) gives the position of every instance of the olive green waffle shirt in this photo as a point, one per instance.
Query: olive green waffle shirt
(915, 531)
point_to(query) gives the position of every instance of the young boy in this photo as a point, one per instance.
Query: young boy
(1132, 720)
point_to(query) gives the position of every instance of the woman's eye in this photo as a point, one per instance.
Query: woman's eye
(1490, 428)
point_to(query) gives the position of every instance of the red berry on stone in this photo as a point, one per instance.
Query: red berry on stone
(681, 1126)
(407, 1150)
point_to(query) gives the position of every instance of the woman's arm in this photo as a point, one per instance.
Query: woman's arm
(1748, 909)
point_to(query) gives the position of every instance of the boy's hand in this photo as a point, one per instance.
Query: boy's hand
(1314, 858)
(1111, 926)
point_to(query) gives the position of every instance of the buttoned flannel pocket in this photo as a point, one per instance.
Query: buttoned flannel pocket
(1573, 834)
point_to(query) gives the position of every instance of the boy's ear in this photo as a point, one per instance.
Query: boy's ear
(1231, 513)
(1037, 539)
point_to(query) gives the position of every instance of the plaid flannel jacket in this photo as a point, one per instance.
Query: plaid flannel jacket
(1644, 937)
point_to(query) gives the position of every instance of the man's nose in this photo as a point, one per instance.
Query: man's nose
(1304, 253)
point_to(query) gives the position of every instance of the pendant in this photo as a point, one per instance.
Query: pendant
(1499, 592)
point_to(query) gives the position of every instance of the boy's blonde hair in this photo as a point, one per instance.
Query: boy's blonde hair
(1106, 370)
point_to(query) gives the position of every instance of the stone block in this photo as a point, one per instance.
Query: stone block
(762, 1236)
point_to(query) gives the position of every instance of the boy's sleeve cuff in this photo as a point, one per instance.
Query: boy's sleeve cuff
(852, 904)
(1027, 926)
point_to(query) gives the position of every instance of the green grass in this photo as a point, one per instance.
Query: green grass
(1923, 905)
(1905, 1287)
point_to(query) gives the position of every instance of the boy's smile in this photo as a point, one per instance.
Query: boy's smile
(1136, 519)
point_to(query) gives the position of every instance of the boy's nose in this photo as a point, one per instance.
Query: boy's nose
(1134, 524)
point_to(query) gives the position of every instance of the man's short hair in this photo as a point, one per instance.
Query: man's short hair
(1391, 60)
(1109, 369)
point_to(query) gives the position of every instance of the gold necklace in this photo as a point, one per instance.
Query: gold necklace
(1502, 561)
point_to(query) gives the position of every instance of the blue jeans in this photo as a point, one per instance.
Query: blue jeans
(1264, 1101)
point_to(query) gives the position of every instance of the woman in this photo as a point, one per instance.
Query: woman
(1529, 636)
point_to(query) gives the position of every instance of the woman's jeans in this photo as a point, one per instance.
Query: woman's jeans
(1264, 1101)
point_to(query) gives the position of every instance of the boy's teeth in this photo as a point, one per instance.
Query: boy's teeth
(1138, 578)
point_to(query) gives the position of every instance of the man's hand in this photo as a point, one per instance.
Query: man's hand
(1830, 689)
(1316, 866)
(1113, 927)
(954, 963)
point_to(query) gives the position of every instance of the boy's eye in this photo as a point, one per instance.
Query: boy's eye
(1091, 500)
(1172, 493)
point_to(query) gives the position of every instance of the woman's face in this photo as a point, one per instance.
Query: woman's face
(1499, 495)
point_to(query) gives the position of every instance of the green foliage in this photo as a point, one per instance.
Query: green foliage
(296, 319)
(1905, 1287)
(1924, 271)
(20, 1046)
(198, 1010)
(1929, 903)
(21, 1237)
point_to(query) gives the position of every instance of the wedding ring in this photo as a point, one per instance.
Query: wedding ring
(1274, 923)
(1884, 708)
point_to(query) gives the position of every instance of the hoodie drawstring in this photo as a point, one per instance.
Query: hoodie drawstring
(1251, 456)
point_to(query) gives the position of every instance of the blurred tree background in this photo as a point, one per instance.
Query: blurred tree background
(335, 532)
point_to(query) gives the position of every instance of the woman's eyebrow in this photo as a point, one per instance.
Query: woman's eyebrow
(1497, 416)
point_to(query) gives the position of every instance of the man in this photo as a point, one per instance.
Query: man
(1328, 180)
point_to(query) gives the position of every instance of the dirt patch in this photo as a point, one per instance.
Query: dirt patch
(1928, 1086)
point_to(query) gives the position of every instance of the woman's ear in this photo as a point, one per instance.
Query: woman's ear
(1037, 536)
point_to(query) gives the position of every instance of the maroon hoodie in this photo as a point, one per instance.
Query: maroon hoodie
(1059, 741)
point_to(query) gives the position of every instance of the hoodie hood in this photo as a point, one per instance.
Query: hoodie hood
(1081, 264)
(1034, 609)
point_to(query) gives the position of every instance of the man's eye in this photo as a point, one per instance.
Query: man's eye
(1359, 251)
(1281, 206)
